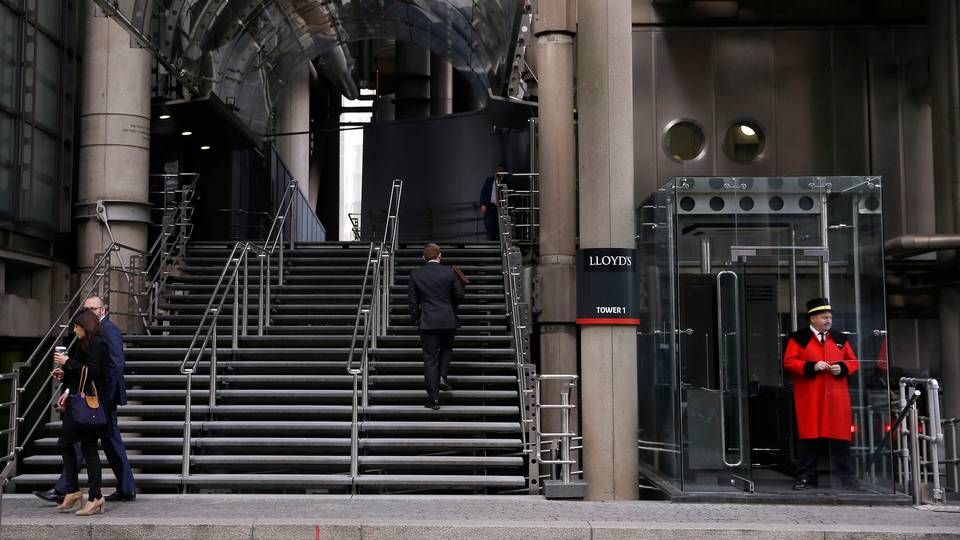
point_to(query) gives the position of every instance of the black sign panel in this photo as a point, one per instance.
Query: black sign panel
(606, 286)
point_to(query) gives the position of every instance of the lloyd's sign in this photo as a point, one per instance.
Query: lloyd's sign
(606, 286)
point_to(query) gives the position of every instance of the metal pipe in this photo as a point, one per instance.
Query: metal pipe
(904, 439)
(266, 301)
(280, 262)
(364, 367)
(794, 309)
(936, 437)
(915, 455)
(236, 303)
(825, 241)
(185, 463)
(246, 288)
(565, 440)
(705, 255)
(260, 305)
(914, 244)
(213, 367)
(354, 439)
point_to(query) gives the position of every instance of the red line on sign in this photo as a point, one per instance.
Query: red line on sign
(609, 321)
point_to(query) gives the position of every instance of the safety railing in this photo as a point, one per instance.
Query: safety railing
(559, 445)
(29, 379)
(235, 271)
(522, 204)
(372, 320)
(921, 443)
(951, 459)
(355, 226)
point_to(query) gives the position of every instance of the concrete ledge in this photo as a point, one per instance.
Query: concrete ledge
(102, 528)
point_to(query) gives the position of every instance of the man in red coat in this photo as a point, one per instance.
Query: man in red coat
(820, 360)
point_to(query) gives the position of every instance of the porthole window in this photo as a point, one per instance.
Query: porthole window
(684, 141)
(743, 142)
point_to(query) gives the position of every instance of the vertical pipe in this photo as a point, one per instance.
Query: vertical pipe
(213, 366)
(857, 300)
(363, 363)
(185, 463)
(825, 241)
(260, 304)
(354, 439)
(280, 261)
(936, 437)
(565, 437)
(794, 309)
(705, 255)
(236, 304)
(904, 440)
(955, 459)
(913, 430)
(246, 288)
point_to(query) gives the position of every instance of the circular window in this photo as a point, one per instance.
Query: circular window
(743, 142)
(746, 204)
(684, 141)
(717, 204)
(806, 203)
(776, 203)
(687, 204)
(872, 203)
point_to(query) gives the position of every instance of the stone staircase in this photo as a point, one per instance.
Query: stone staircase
(282, 418)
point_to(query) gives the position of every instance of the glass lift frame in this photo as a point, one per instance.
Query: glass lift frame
(727, 265)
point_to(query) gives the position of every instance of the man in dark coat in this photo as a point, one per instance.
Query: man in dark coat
(434, 292)
(488, 204)
(114, 395)
(820, 360)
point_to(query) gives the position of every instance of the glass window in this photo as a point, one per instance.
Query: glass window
(8, 170)
(48, 17)
(743, 142)
(43, 189)
(684, 141)
(48, 82)
(8, 57)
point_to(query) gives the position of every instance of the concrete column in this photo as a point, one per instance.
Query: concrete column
(413, 81)
(608, 354)
(293, 116)
(554, 27)
(945, 104)
(441, 86)
(114, 155)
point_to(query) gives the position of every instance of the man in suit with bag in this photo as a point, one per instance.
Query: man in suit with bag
(114, 395)
(434, 292)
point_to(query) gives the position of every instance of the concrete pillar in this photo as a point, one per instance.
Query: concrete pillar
(413, 81)
(114, 155)
(608, 354)
(554, 27)
(293, 116)
(441, 86)
(945, 104)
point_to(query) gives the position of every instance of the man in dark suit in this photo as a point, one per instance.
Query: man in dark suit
(434, 292)
(488, 204)
(114, 395)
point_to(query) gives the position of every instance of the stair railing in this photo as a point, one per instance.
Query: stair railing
(922, 443)
(170, 245)
(511, 260)
(372, 319)
(24, 420)
(235, 270)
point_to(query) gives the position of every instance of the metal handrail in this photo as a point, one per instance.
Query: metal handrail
(375, 319)
(170, 244)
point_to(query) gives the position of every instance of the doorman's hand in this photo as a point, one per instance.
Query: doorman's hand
(821, 366)
(835, 369)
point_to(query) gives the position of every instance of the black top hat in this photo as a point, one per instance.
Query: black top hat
(818, 305)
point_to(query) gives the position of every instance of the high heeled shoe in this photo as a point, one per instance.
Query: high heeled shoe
(70, 500)
(93, 507)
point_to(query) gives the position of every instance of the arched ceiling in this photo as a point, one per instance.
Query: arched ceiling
(243, 50)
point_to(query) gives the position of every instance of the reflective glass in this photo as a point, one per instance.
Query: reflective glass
(43, 188)
(8, 188)
(8, 57)
(731, 264)
(48, 82)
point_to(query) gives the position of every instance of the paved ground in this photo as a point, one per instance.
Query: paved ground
(452, 517)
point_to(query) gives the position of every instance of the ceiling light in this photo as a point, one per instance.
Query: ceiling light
(205, 147)
(164, 117)
(747, 130)
(187, 133)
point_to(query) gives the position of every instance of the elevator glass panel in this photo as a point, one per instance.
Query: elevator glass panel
(727, 265)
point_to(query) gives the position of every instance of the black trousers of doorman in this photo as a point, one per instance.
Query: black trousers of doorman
(841, 464)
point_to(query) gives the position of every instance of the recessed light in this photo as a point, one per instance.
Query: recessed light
(187, 133)
(204, 147)
(747, 130)
(164, 117)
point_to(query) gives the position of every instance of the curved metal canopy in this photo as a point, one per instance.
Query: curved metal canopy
(244, 50)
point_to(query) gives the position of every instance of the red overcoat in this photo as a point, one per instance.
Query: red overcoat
(822, 399)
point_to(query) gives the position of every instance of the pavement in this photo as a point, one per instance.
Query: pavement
(427, 517)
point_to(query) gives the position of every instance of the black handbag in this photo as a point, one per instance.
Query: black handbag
(86, 411)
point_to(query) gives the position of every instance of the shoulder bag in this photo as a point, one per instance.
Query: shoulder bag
(85, 410)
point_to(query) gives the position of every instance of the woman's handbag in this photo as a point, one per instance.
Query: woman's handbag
(86, 411)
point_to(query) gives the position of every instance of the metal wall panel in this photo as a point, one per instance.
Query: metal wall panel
(885, 138)
(684, 89)
(645, 141)
(744, 80)
(851, 150)
(804, 89)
